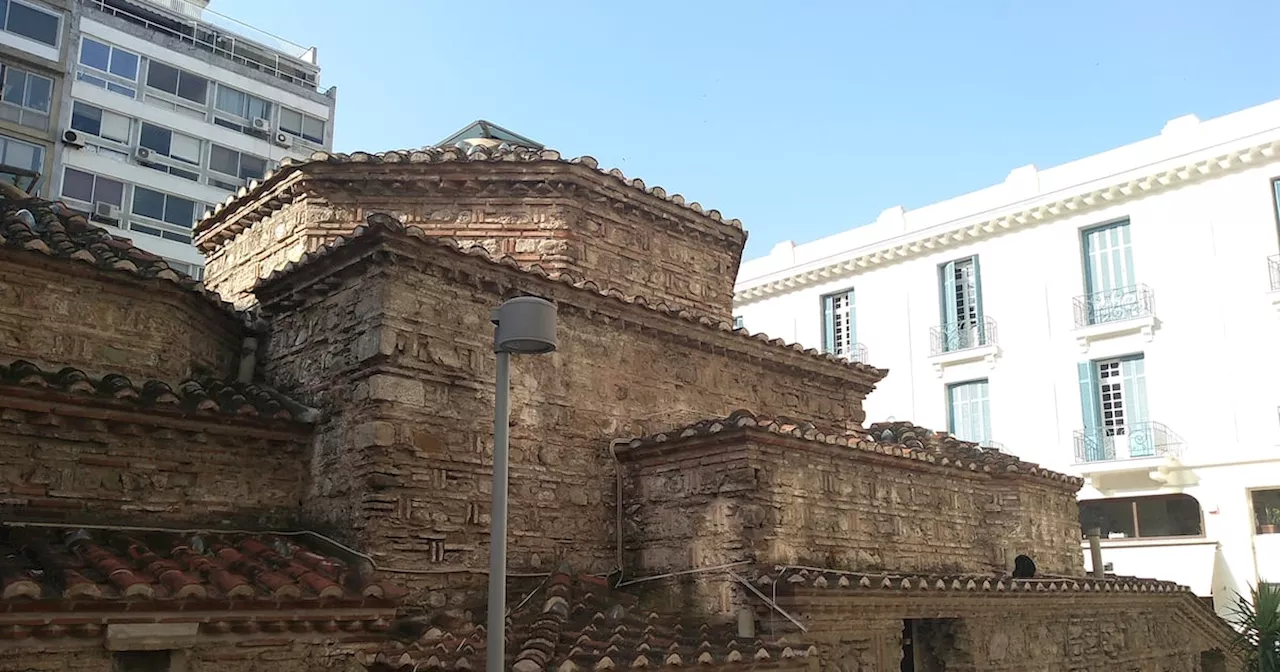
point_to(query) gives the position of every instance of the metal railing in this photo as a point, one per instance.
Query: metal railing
(223, 37)
(962, 335)
(1115, 305)
(1129, 442)
(1273, 268)
(857, 353)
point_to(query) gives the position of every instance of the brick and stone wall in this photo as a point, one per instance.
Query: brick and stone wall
(234, 654)
(94, 470)
(742, 495)
(61, 316)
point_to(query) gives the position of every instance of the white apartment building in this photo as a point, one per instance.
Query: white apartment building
(169, 107)
(1113, 317)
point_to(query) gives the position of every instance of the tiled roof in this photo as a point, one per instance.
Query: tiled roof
(203, 397)
(58, 232)
(950, 452)
(960, 583)
(577, 623)
(42, 565)
(427, 155)
(377, 223)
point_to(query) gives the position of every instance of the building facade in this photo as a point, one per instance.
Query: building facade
(145, 114)
(1060, 315)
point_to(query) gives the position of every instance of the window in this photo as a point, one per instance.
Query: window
(1113, 398)
(169, 143)
(177, 82)
(302, 125)
(962, 320)
(241, 104)
(236, 164)
(737, 321)
(102, 123)
(31, 22)
(108, 67)
(21, 154)
(141, 661)
(1110, 286)
(1138, 517)
(163, 207)
(194, 271)
(839, 336)
(90, 188)
(26, 98)
(1266, 511)
(969, 411)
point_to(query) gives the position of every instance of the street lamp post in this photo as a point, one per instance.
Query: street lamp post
(525, 325)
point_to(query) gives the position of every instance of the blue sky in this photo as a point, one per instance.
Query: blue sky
(800, 118)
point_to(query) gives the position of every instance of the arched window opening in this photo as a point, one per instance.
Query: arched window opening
(1143, 517)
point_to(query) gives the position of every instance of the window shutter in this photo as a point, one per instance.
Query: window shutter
(828, 324)
(1091, 409)
(977, 301)
(949, 317)
(1142, 438)
(853, 321)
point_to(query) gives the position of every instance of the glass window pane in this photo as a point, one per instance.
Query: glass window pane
(33, 23)
(115, 126)
(1113, 516)
(290, 121)
(148, 203)
(193, 88)
(155, 138)
(1177, 516)
(95, 54)
(124, 64)
(39, 92)
(230, 101)
(224, 160)
(313, 129)
(180, 211)
(186, 148)
(15, 86)
(86, 118)
(109, 191)
(162, 77)
(120, 89)
(259, 109)
(20, 154)
(252, 167)
(77, 184)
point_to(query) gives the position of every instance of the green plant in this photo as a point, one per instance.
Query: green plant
(1257, 618)
(1273, 516)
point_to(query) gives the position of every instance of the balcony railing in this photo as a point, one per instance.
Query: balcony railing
(1273, 267)
(223, 37)
(857, 353)
(1130, 442)
(1115, 305)
(962, 336)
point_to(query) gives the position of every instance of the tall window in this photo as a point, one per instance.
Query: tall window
(102, 123)
(1135, 517)
(961, 289)
(91, 189)
(737, 321)
(242, 106)
(969, 411)
(1110, 284)
(175, 210)
(173, 145)
(21, 154)
(180, 85)
(27, 97)
(31, 22)
(108, 67)
(302, 125)
(1113, 399)
(838, 317)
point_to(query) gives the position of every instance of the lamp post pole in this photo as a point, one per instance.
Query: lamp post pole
(523, 325)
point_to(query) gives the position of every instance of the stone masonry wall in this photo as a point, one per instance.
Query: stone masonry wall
(58, 318)
(278, 654)
(401, 358)
(96, 471)
(1040, 520)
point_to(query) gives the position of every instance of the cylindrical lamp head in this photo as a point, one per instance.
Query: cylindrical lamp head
(526, 325)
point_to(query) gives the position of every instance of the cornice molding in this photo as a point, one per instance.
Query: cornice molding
(1053, 207)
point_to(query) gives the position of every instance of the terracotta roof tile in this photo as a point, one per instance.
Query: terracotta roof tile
(788, 579)
(379, 223)
(474, 153)
(947, 451)
(206, 396)
(54, 230)
(40, 564)
(577, 623)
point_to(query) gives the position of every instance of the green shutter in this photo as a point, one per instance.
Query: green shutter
(828, 324)
(977, 301)
(853, 321)
(949, 317)
(1091, 411)
(1141, 437)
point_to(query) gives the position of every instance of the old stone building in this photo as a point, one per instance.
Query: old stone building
(287, 467)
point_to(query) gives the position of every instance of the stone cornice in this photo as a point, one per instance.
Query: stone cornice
(317, 272)
(1046, 208)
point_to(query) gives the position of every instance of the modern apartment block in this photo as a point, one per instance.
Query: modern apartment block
(1115, 317)
(143, 113)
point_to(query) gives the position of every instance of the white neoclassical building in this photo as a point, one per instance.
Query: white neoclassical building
(1115, 317)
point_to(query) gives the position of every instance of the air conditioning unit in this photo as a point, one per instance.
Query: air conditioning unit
(73, 138)
(284, 139)
(261, 124)
(142, 154)
(106, 211)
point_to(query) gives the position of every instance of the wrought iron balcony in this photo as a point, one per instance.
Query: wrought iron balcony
(962, 336)
(1273, 266)
(1115, 305)
(857, 353)
(1131, 442)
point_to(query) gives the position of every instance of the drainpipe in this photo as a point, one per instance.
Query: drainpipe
(1095, 552)
(617, 464)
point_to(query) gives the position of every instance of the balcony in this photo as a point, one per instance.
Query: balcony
(1114, 313)
(857, 353)
(221, 36)
(963, 342)
(1138, 456)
